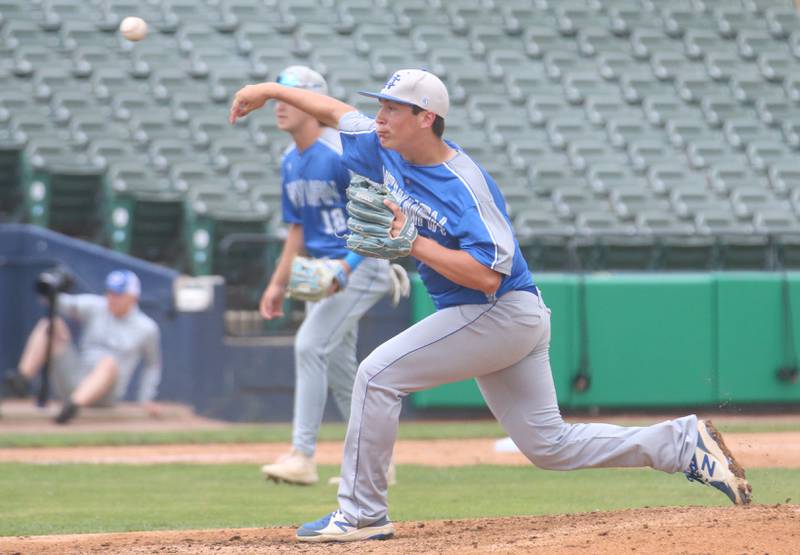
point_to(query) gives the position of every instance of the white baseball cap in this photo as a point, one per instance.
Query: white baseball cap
(123, 282)
(416, 87)
(303, 77)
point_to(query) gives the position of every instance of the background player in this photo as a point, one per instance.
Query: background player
(116, 336)
(313, 188)
(491, 323)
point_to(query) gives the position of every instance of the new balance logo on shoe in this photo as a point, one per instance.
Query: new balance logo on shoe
(717, 468)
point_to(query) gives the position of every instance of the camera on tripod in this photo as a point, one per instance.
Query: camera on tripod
(53, 281)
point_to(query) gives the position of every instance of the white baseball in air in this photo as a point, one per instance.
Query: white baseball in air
(133, 28)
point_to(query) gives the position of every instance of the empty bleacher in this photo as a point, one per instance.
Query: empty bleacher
(626, 134)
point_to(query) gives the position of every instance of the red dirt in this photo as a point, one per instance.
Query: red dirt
(758, 529)
(692, 530)
(765, 450)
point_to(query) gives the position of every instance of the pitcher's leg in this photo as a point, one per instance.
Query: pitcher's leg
(523, 398)
(450, 345)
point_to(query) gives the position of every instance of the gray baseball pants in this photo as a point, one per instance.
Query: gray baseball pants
(505, 346)
(325, 350)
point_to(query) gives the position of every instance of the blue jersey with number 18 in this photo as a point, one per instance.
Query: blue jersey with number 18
(457, 204)
(314, 182)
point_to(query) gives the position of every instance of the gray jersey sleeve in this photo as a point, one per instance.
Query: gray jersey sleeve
(151, 366)
(79, 307)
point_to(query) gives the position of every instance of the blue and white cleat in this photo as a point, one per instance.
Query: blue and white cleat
(713, 464)
(336, 528)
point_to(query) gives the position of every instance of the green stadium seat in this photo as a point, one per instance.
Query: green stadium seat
(558, 64)
(700, 43)
(520, 87)
(695, 86)
(523, 151)
(78, 34)
(660, 108)
(583, 153)
(600, 110)
(594, 40)
(666, 176)
(689, 200)
(732, 21)
(572, 16)
(20, 32)
(106, 152)
(225, 152)
(539, 39)
(521, 14)
(28, 58)
(383, 61)
(762, 153)
(612, 65)
(126, 105)
(429, 38)
(49, 79)
(550, 174)
(505, 128)
(637, 86)
(679, 18)
(87, 126)
(466, 16)
(705, 152)
(604, 176)
(790, 128)
(623, 129)
(748, 201)
(625, 16)
(367, 37)
(720, 66)
(165, 152)
(751, 42)
(248, 176)
(569, 201)
(578, 86)
(644, 153)
(723, 178)
(683, 129)
(146, 128)
(648, 41)
(561, 131)
(485, 38)
(740, 132)
(719, 107)
(633, 198)
(602, 223)
(543, 107)
(776, 65)
(64, 104)
(185, 106)
(784, 177)
(775, 110)
(108, 82)
(782, 20)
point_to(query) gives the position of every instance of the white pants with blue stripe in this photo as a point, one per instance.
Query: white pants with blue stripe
(505, 346)
(325, 350)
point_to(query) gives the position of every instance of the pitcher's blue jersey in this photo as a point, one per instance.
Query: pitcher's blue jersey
(456, 203)
(313, 194)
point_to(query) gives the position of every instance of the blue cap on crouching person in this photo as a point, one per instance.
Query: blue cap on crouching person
(123, 282)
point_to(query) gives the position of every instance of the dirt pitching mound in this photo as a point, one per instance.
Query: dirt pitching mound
(758, 529)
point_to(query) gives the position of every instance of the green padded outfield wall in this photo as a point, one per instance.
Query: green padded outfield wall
(751, 335)
(657, 340)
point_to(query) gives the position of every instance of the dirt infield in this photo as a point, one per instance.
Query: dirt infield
(764, 450)
(774, 530)
(759, 529)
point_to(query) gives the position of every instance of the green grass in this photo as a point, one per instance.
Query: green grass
(81, 498)
(272, 433)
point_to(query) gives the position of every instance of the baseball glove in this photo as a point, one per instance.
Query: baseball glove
(370, 222)
(311, 278)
